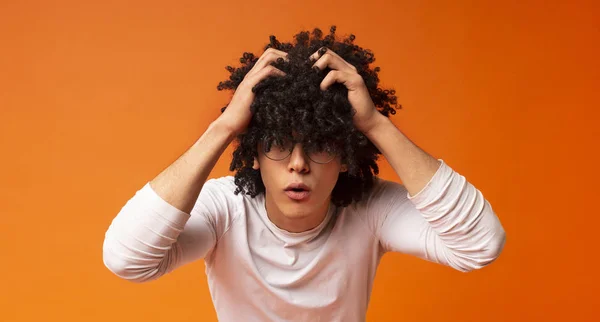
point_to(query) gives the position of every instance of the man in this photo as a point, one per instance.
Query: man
(298, 232)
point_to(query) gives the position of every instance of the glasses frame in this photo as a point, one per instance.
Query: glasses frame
(294, 142)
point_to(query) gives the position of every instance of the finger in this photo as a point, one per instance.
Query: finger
(352, 81)
(334, 76)
(328, 58)
(317, 54)
(266, 59)
(270, 55)
(266, 72)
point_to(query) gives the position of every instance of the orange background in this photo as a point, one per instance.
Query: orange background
(97, 98)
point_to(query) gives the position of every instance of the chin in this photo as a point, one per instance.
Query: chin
(297, 211)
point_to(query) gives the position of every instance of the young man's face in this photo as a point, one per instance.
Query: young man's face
(298, 189)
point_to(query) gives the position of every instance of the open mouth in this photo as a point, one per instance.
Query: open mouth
(297, 191)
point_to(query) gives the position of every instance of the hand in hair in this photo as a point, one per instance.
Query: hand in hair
(237, 116)
(341, 71)
(294, 107)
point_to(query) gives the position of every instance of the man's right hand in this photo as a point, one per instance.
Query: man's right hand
(237, 115)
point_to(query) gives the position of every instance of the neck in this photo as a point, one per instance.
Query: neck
(295, 224)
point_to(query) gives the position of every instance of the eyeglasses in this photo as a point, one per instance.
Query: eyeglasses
(278, 152)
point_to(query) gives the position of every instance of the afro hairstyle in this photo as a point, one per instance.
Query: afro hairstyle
(293, 107)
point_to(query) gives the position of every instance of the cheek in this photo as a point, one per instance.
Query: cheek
(269, 173)
(329, 176)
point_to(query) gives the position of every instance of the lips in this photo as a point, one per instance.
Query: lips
(297, 191)
(297, 186)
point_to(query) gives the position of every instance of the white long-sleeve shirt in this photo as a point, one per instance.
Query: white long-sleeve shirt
(258, 272)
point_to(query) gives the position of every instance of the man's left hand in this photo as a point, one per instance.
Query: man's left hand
(366, 116)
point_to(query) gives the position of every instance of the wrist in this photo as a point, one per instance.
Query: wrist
(377, 121)
(221, 126)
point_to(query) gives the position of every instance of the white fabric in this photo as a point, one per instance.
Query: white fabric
(258, 272)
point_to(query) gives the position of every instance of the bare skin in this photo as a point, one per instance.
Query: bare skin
(181, 182)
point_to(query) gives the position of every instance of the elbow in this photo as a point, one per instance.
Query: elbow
(497, 244)
(488, 254)
(127, 269)
(116, 265)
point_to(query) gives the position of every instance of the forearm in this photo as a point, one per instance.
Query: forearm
(467, 233)
(181, 182)
(142, 242)
(414, 166)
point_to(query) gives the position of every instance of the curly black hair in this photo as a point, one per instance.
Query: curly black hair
(294, 107)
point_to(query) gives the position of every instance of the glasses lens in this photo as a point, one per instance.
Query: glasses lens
(322, 154)
(321, 157)
(277, 150)
(280, 150)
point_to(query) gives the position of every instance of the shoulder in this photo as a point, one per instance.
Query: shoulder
(225, 188)
(384, 197)
(224, 184)
(222, 190)
(221, 193)
(218, 203)
(218, 197)
(384, 192)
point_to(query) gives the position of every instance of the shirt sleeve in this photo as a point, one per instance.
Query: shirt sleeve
(150, 238)
(448, 222)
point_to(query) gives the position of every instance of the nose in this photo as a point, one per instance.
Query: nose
(298, 160)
